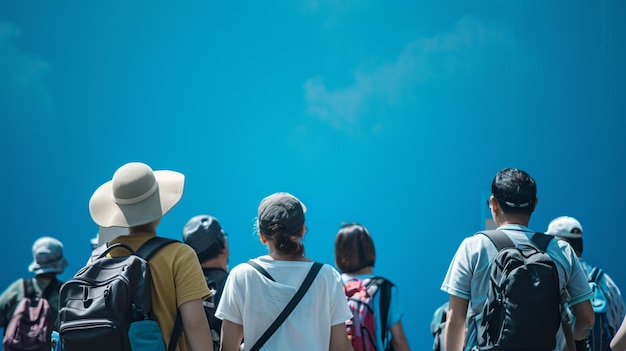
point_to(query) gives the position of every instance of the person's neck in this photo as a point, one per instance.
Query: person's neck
(218, 262)
(513, 219)
(277, 256)
(144, 228)
(363, 271)
(46, 277)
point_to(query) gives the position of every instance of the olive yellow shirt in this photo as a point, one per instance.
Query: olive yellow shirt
(176, 278)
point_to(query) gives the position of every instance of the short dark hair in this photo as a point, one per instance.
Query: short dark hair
(515, 191)
(354, 248)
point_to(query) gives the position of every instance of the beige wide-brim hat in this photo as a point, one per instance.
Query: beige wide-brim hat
(136, 195)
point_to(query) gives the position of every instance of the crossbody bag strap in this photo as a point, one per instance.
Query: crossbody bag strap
(290, 306)
(261, 270)
(178, 325)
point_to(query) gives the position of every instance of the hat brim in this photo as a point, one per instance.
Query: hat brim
(55, 267)
(107, 213)
(566, 235)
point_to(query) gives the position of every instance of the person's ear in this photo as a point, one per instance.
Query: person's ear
(535, 204)
(303, 230)
(263, 238)
(494, 203)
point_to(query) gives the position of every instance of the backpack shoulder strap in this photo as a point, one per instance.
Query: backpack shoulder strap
(261, 270)
(102, 250)
(385, 302)
(52, 286)
(499, 238)
(374, 284)
(153, 245)
(595, 275)
(146, 251)
(306, 284)
(29, 290)
(95, 253)
(542, 241)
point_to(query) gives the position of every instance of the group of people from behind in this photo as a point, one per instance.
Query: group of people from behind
(215, 308)
(473, 320)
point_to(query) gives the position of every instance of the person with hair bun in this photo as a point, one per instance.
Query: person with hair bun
(251, 300)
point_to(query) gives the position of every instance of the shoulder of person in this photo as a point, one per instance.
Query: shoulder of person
(15, 287)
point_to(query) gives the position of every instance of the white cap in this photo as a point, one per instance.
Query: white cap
(565, 227)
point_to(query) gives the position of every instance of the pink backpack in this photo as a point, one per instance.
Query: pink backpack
(31, 326)
(362, 326)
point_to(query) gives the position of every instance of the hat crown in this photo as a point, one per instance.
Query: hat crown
(281, 208)
(201, 232)
(566, 227)
(47, 250)
(133, 183)
(47, 256)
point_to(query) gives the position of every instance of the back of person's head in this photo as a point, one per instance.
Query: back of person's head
(354, 248)
(568, 229)
(280, 219)
(515, 191)
(206, 236)
(47, 257)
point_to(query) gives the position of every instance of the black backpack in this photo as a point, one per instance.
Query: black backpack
(523, 307)
(215, 279)
(33, 320)
(600, 337)
(102, 300)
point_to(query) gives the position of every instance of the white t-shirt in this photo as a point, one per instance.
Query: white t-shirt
(252, 300)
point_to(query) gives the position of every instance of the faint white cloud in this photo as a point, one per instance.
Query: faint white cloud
(23, 91)
(472, 45)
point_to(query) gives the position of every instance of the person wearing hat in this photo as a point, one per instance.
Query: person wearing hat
(570, 230)
(48, 262)
(137, 198)
(251, 302)
(512, 202)
(207, 238)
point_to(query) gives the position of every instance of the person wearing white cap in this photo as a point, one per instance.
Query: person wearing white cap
(48, 262)
(570, 230)
(137, 198)
(256, 292)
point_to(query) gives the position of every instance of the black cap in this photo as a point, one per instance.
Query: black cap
(201, 232)
(281, 208)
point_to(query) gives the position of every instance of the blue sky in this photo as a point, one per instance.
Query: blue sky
(396, 115)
